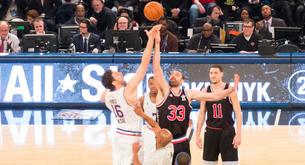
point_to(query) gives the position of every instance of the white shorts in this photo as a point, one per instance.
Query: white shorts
(149, 142)
(122, 149)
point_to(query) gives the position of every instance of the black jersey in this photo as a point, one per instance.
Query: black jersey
(174, 113)
(219, 112)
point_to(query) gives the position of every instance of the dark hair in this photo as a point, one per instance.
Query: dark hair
(210, 9)
(107, 80)
(183, 158)
(248, 20)
(85, 21)
(32, 13)
(217, 66)
(150, 78)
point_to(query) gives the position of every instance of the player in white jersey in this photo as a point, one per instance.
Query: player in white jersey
(148, 104)
(120, 98)
(164, 149)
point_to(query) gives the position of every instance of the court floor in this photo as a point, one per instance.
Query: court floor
(32, 138)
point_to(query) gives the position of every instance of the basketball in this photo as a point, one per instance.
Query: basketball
(153, 11)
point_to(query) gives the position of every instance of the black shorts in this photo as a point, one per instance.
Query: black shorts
(181, 147)
(219, 142)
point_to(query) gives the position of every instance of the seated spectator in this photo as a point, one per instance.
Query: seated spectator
(229, 8)
(39, 26)
(201, 42)
(127, 13)
(65, 11)
(245, 13)
(263, 25)
(177, 11)
(283, 10)
(86, 42)
(198, 8)
(118, 4)
(247, 41)
(80, 14)
(47, 10)
(214, 16)
(31, 15)
(9, 43)
(169, 42)
(123, 23)
(103, 18)
(10, 9)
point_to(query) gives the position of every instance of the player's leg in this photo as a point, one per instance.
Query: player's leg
(149, 142)
(229, 154)
(210, 148)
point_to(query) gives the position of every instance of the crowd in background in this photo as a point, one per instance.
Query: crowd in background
(96, 17)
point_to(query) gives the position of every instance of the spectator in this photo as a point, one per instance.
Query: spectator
(103, 18)
(214, 16)
(65, 11)
(80, 14)
(198, 8)
(39, 26)
(284, 11)
(86, 42)
(31, 15)
(47, 9)
(177, 10)
(245, 13)
(263, 26)
(9, 43)
(127, 13)
(201, 42)
(11, 9)
(118, 4)
(247, 41)
(169, 42)
(123, 23)
(229, 8)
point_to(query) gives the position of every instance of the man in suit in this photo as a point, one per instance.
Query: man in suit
(263, 25)
(9, 43)
(86, 42)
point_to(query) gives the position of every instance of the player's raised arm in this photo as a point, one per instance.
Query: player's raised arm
(203, 96)
(158, 73)
(141, 71)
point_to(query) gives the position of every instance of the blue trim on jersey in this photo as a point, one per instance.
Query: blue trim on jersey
(137, 132)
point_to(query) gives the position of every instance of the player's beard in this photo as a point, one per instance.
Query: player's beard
(173, 83)
(124, 83)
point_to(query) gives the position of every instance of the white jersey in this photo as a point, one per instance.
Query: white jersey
(162, 156)
(149, 141)
(127, 121)
(149, 107)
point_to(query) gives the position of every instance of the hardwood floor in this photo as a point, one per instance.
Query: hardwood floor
(91, 145)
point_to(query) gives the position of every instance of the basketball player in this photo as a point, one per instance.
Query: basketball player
(148, 104)
(120, 98)
(173, 103)
(219, 134)
(163, 154)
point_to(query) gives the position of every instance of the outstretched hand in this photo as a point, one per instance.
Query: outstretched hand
(153, 32)
(138, 110)
(236, 81)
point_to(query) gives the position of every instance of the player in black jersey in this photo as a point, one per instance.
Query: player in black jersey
(173, 103)
(220, 136)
